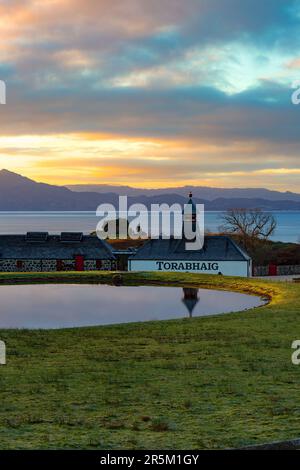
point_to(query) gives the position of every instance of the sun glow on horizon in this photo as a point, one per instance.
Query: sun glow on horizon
(91, 158)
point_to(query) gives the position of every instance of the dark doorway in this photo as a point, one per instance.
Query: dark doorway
(79, 263)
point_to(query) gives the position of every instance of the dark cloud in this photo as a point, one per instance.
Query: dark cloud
(203, 113)
(125, 35)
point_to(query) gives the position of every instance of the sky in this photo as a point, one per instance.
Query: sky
(151, 93)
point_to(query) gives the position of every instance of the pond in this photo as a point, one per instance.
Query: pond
(68, 305)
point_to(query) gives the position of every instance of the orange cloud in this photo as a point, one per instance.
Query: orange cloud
(100, 158)
(294, 64)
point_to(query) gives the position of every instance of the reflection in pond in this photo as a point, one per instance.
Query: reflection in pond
(190, 299)
(67, 305)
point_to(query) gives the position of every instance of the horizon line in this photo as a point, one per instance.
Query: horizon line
(153, 188)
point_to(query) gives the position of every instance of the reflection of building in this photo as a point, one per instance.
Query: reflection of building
(190, 299)
(219, 254)
(191, 215)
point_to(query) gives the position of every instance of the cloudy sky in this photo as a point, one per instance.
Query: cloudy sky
(151, 93)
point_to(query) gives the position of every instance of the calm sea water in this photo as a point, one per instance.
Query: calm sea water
(288, 223)
(67, 306)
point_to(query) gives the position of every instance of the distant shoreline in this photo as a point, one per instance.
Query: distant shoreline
(18, 222)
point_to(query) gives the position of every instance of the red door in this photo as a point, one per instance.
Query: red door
(59, 265)
(79, 263)
(98, 264)
(272, 270)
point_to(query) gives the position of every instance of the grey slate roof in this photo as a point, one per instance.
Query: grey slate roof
(18, 247)
(216, 248)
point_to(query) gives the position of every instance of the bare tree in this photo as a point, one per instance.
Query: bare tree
(249, 224)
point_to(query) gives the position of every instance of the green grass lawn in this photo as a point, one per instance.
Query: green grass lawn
(214, 382)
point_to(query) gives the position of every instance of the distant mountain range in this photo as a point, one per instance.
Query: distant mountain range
(18, 193)
(202, 192)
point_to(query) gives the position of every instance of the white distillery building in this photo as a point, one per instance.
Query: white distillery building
(219, 255)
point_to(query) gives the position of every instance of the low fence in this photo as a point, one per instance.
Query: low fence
(276, 270)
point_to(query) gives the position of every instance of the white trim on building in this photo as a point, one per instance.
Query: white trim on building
(227, 268)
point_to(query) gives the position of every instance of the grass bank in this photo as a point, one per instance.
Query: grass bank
(214, 382)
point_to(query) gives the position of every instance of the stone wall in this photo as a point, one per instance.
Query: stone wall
(68, 265)
(288, 270)
(90, 265)
(27, 265)
(106, 265)
(260, 270)
(282, 270)
(48, 265)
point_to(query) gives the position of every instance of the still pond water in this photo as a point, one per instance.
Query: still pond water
(65, 306)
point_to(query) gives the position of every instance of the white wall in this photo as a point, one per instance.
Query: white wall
(227, 268)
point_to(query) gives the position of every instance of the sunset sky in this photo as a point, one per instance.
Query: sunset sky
(151, 93)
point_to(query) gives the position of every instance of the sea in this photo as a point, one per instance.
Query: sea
(287, 230)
